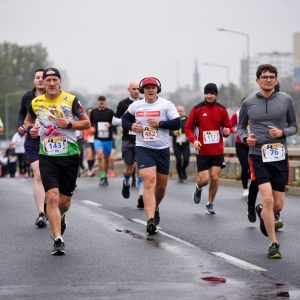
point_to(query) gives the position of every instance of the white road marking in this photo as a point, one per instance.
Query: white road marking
(91, 203)
(238, 261)
(115, 214)
(164, 233)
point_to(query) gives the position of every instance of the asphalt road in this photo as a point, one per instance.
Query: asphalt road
(110, 256)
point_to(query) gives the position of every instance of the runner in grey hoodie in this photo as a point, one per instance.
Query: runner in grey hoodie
(272, 118)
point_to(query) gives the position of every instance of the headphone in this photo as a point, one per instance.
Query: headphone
(141, 88)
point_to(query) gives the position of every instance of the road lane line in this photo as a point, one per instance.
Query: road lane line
(115, 214)
(91, 203)
(238, 261)
(164, 233)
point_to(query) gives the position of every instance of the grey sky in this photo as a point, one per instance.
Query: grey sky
(105, 42)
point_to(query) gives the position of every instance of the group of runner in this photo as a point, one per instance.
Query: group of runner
(53, 116)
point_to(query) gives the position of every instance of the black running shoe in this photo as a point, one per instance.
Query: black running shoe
(261, 225)
(133, 183)
(126, 190)
(63, 224)
(273, 251)
(251, 214)
(59, 247)
(197, 195)
(156, 216)
(41, 220)
(140, 203)
(278, 222)
(151, 227)
(103, 182)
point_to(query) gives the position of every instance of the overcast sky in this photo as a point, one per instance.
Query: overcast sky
(104, 42)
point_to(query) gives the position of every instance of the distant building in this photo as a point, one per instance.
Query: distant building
(283, 61)
(196, 85)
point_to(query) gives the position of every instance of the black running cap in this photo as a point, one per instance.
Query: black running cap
(56, 73)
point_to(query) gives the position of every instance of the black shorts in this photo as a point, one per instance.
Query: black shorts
(277, 173)
(206, 162)
(32, 147)
(59, 172)
(146, 158)
(128, 152)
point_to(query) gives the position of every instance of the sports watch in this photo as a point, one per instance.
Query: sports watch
(70, 125)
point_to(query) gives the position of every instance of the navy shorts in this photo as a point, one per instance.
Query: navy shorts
(206, 162)
(32, 147)
(59, 172)
(146, 158)
(277, 172)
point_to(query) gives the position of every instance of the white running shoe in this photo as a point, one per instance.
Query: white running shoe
(245, 193)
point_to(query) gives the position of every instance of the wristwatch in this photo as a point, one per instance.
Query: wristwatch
(70, 125)
(160, 123)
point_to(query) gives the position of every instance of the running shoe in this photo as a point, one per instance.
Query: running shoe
(111, 174)
(245, 193)
(133, 183)
(63, 224)
(197, 194)
(91, 173)
(140, 203)
(262, 224)
(210, 209)
(41, 220)
(156, 216)
(180, 180)
(125, 190)
(251, 214)
(103, 182)
(273, 251)
(278, 222)
(151, 227)
(59, 247)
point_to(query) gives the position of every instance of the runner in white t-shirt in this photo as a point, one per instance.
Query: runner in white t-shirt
(151, 119)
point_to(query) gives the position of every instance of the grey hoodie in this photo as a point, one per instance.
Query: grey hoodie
(278, 111)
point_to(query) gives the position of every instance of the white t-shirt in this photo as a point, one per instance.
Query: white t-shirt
(19, 142)
(161, 109)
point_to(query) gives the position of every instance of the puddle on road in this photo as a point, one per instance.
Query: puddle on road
(140, 237)
(259, 291)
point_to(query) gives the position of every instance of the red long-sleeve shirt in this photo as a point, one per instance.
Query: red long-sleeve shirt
(208, 118)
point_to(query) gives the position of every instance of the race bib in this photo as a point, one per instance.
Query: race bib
(150, 134)
(272, 152)
(55, 145)
(181, 138)
(102, 130)
(211, 137)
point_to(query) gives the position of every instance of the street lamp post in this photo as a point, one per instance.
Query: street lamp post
(248, 55)
(6, 96)
(228, 88)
